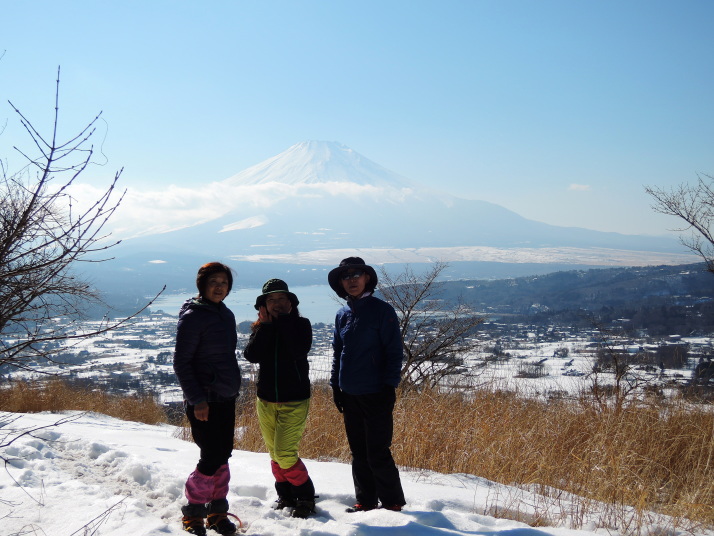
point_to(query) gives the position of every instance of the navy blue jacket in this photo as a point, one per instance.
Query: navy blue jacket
(205, 355)
(281, 348)
(367, 347)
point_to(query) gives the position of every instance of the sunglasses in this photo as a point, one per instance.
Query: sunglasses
(352, 275)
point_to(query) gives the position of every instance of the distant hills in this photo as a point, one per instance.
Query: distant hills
(663, 299)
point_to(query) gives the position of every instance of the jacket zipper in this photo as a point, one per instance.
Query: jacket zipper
(275, 358)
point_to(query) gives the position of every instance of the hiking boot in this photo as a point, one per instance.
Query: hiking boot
(286, 499)
(284, 502)
(193, 519)
(303, 508)
(361, 508)
(221, 524)
(392, 507)
(193, 525)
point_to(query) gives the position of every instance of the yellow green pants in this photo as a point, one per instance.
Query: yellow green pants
(282, 426)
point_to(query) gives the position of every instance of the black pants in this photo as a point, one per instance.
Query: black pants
(215, 436)
(369, 426)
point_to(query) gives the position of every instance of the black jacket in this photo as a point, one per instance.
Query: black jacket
(281, 348)
(205, 359)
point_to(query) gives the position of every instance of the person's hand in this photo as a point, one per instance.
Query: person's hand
(338, 399)
(263, 315)
(200, 411)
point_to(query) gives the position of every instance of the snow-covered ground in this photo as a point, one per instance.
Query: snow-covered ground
(97, 475)
(532, 368)
(142, 352)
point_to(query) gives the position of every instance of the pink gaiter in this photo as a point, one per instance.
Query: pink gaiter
(199, 488)
(221, 479)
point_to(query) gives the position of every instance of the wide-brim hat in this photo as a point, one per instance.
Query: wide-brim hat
(350, 263)
(273, 286)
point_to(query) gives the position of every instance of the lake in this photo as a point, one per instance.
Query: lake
(318, 303)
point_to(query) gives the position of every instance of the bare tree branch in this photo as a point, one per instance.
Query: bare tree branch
(694, 205)
(44, 237)
(93, 526)
(435, 334)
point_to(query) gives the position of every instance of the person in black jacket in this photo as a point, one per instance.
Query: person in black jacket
(366, 367)
(279, 343)
(207, 369)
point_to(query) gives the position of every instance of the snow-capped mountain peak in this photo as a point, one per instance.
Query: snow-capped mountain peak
(318, 196)
(319, 162)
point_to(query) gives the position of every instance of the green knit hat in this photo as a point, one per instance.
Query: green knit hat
(272, 286)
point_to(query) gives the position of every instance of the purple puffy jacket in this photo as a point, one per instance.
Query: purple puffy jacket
(205, 356)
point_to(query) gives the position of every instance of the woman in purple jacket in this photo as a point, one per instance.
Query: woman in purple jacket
(207, 369)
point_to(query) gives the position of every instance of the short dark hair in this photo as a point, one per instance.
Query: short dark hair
(209, 269)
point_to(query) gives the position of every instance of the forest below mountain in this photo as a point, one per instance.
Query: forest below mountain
(662, 300)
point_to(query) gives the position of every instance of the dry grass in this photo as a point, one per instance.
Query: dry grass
(57, 395)
(649, 458)
(634, 460)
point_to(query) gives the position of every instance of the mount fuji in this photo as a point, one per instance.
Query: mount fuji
(318, 202)
(319, 162)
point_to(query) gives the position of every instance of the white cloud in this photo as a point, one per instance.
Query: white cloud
(579, 187)
(147, 212)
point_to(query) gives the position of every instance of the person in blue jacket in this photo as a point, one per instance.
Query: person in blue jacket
(366, 367)
(207, 369)
(279, 343)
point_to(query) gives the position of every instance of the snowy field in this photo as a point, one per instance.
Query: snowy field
(97, 475)
(143, 351)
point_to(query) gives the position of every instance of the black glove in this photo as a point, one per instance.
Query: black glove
(337, 397)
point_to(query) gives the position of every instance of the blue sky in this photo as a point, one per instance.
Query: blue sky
(559, 110)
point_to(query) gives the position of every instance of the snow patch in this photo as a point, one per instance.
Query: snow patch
(247, 223)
